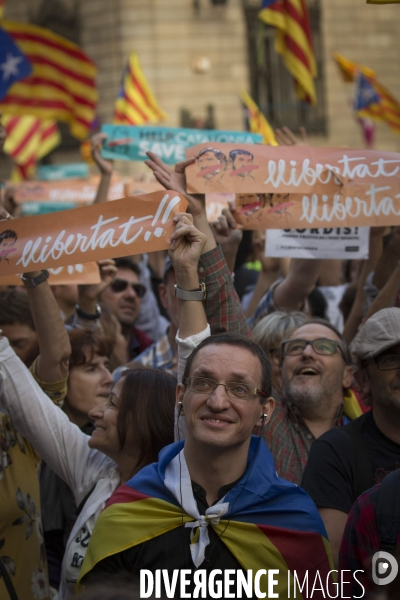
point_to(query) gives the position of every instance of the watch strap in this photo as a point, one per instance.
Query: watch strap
(89, 317)
(197, 295)
(34, 281)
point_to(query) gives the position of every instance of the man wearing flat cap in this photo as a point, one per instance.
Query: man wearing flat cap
(346, 461)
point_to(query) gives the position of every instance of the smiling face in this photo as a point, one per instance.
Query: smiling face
(88, 386)
(124, 305)
(105, 416)
(217, 420)
(310, 378)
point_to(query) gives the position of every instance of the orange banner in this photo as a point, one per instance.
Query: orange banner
(87, 273)
(300, 187)
(80, 191)
(129, 226)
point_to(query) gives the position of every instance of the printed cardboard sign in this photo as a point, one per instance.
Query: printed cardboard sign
(87, 273)
(30, 209)
(127, 142)
(129, 226)
(299, 187)
(80, 191)
(215, 203)
(63, 171)
(324, 242)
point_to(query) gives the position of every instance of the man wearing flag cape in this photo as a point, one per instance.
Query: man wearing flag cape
(213, 501)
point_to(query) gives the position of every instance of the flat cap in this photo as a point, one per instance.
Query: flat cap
(380, 332)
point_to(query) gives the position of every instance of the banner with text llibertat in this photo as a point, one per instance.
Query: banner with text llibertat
(130, 226)
(290, 187)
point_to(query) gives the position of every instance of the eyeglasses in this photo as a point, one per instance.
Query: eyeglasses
(234, 390)
(387, 362)
(321, 346)
(120, 285)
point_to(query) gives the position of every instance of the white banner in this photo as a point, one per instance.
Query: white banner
(329, 242)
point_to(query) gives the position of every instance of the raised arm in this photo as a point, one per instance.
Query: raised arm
(105, 167)
(87, 313)
(53, 341)
(187, 243)
(293, 291)
(60, 443)
(357, 310)
(54, 347)
(223, 309)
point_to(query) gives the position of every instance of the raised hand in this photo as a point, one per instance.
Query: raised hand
(176, 180)
(228, 234)
(89, 294)
(105, 166)
(187, 244)
(286, 137)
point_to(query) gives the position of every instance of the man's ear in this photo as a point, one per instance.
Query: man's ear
(267, 408)
(180, 390)
(361, 376)
(348, 375)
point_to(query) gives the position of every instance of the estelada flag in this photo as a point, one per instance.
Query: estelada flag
(294, 42)
(62, 85)
(136, 103)
(269, 523)
(387, 109)
(256, 121)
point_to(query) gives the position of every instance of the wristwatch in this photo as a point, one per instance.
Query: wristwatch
(83, 315)
(199, 294)
(34, 281)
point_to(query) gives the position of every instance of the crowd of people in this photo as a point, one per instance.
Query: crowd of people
(206, 409)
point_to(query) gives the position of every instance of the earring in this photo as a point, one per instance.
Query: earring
(264, 418)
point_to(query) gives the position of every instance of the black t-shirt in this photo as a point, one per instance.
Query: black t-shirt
(330, 476)
(169, 551)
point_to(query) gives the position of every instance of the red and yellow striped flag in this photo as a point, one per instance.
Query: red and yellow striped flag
(62, 85)
(28, 140)
(294, 42)
(257, 122)
(388, 108)
(136, 103)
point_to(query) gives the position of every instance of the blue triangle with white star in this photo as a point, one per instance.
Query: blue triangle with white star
(14, 65)
(366, 94)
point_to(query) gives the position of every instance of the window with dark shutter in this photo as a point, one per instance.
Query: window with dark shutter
(272, 86)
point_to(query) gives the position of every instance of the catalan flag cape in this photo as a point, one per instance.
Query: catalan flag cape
(62, 85)
(294, 42)
(136, 103)
(257, 123)
(268, 523)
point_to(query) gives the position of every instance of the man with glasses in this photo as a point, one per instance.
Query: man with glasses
(344, 463)
(216, 502)
(316, 376)
(122, 298)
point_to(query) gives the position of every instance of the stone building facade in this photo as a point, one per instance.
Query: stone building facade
(196, 53)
